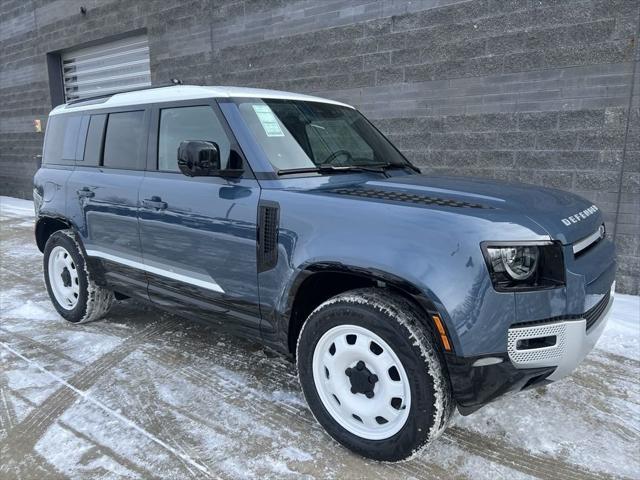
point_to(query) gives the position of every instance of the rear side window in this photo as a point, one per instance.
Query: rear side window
(125, 141)
(64, 133)
(95, 134)
(189, 123)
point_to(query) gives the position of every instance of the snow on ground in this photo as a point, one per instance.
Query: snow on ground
(144, 394)
(15, 207)
(622, 334)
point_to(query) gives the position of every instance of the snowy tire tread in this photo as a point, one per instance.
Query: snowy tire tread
(95, 300)
(402, 319)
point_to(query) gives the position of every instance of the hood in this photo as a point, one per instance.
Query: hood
(565, 216)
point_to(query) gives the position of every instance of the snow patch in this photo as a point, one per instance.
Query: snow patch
(622, 333)
(29, 310)
(112, 418)
(293, 453)
(30, 383)
(16, 207)
(85, 347)
(291, 398)
(76, 457)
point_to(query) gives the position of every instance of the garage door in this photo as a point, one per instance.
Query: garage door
(106, 68)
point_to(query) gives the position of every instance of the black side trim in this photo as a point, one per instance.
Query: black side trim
(268, 224)
(266, 176)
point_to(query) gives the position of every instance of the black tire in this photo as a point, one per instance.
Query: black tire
(396, 321)
(93, 301)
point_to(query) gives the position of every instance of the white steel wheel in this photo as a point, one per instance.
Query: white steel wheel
(63, 278)
(361, 382)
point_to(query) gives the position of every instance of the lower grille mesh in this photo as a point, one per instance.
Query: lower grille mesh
(520, 357)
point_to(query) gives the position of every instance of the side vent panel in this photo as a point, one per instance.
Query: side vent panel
(268, 223)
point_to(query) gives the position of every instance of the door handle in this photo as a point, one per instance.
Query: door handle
(86, 193)
(154, 202)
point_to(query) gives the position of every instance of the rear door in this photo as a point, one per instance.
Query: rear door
(103, 192)
(199, 234)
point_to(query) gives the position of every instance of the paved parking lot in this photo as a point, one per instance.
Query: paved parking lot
(143, 394)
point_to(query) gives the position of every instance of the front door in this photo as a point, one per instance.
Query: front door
(198, 235)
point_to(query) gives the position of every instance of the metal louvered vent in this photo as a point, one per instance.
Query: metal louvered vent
(106, 68)
(268, 235)
(405, 197)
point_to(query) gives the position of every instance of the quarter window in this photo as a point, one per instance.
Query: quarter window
(61, 142)
(125, 140)
(189, 123)
(70, 138)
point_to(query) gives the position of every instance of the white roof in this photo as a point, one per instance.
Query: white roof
(185, 92)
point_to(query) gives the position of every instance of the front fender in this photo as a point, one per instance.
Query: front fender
(436, 250)
(425, 299)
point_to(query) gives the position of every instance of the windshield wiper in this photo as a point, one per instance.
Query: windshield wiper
(375, 168)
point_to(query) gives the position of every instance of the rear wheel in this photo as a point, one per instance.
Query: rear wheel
(372, 376)
(72, 289)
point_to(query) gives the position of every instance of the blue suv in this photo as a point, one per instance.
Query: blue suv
(293, 220)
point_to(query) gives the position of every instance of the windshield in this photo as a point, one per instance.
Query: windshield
(305, 135)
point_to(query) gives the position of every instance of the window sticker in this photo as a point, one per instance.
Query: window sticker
(268, 120)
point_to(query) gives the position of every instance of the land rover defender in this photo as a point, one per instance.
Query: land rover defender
(291, 219)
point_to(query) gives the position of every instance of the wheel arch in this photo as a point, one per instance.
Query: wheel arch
(47, 226)
(318, 282)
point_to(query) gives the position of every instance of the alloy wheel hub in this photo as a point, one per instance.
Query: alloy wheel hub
(362, 379)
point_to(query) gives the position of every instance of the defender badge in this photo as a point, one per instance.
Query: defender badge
(580, 215)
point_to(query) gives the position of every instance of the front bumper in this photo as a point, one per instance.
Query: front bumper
(566, 341)
(570, 342)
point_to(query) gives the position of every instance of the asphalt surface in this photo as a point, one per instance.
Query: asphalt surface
(144, 394)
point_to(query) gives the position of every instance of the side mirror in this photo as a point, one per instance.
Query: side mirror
(197, 158)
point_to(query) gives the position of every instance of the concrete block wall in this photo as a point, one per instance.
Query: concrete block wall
(539, 91)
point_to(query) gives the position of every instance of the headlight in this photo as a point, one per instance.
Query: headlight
(524, 265)
(519, 262)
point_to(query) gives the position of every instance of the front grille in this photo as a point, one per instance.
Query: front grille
(595, 312)
(405, 197)
(586, 244)
(592, 315)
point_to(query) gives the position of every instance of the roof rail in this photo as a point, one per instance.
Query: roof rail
(173, 82)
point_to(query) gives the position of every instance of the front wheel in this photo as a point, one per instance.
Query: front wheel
(372, 376)
(70, 283)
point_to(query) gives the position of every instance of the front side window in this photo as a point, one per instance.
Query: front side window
(299, 134)
(125, 140)
(189, 123)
